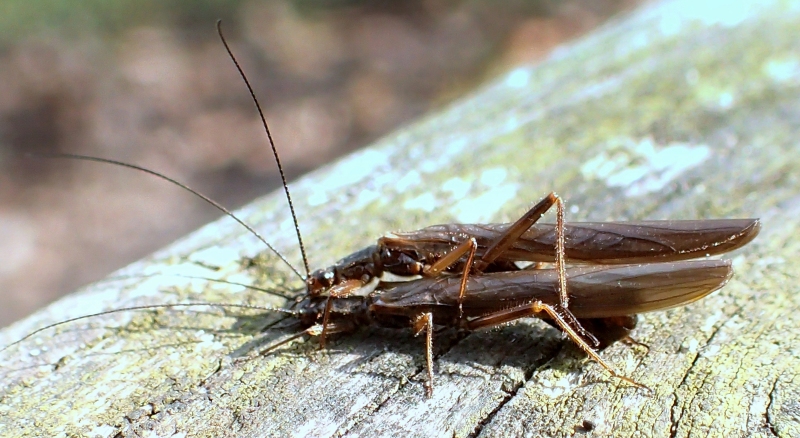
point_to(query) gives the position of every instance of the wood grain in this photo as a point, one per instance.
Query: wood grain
(681, 110)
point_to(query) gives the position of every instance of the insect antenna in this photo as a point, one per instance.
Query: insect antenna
(148, 307)
(208, 279)
(217, 205)
(214, 204)
(271, 144)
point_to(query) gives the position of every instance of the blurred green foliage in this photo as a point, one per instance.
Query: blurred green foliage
(19, 18)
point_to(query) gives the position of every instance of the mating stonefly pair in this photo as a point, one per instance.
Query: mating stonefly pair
(472, 276)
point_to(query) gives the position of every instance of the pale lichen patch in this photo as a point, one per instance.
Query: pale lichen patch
(676, 16)
(484, 207)
(716, 97)
(458, 187)
(411, 179)
(644, 167)
(518, 78)
(425, 202)
(493, 176)
(783, 70)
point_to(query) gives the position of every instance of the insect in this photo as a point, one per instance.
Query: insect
(471, 279)
(601, 295)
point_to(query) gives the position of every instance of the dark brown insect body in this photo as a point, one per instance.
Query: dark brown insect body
(606, 296)
(596, 292)
(407, 253)
(591, 242)
(451, 248)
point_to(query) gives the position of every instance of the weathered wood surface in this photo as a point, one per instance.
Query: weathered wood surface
(679, 111)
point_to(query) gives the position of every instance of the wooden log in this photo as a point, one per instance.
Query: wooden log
(681, 110)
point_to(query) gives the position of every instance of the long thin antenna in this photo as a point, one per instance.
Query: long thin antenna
(148, 307)
(181, 185)
(271, 144)
(195, 277)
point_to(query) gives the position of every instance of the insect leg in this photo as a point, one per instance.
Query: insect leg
(471, 246)
(503, 243)
(314, 330)
(517, 229)
(463, 287)
(468, 246)
(629, 341)
(609, 329)
(565, 321)
(524, 311)
(341, 290)
(562, 270)
(331, 328)
(425, 322)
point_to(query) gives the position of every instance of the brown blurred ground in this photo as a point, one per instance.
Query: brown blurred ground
(332, 76)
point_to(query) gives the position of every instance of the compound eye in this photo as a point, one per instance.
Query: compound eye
(313, 286)
(318, 281)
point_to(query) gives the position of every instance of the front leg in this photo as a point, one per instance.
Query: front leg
(341, 290)
(469, 246)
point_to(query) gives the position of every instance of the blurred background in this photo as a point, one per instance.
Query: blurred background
(148, 82)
